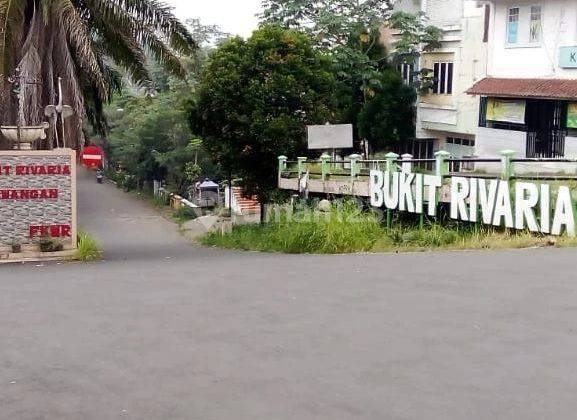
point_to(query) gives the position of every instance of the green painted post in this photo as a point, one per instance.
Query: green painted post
(302, 164)
(391, 162)
(507, 167)
(441, 164)
(281, 165)
(441, 169)
(391, 166)
(325, 166)
(355, 166)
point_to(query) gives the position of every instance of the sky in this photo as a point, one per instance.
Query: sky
(236, 17)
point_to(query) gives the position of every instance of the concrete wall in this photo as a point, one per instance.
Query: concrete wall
(410, 6)
(24, 219)
(444, 12)
(490, 143)
(524, 60)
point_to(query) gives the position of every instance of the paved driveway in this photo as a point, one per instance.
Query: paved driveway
(164, 330)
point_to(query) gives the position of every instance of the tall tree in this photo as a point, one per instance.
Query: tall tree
(352, 31)
(330, 22)
(255, 99)
(81, 41)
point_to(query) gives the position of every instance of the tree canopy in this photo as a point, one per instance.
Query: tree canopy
(84, 43)
(351, 31)
(256, 98)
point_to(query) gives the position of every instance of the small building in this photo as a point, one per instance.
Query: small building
(528, 101)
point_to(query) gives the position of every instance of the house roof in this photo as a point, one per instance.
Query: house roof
(208, 184)
(526, 88)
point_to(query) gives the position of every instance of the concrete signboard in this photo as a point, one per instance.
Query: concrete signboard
(568, 57)
(37, 197)
(541, 208)
(325, 137)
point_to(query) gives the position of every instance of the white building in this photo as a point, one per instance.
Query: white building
(529, 98)
(447, 117)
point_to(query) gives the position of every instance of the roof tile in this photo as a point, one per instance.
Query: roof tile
(526, 88)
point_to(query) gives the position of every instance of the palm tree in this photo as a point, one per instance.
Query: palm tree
(83, 42)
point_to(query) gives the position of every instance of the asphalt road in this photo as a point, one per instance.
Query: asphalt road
(164, 330)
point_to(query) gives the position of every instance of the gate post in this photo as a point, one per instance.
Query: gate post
(281, 165)
(355, 167)
(302, 162)
(441, 164)
(325, 166)
(507, 167)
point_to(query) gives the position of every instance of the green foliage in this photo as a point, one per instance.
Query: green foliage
(185, 213)
(48, 244)
(150, 136)
(160, 201)
(150, 139)
(348, 229)
(368, 94)
(415, 37)
(88, 248)
(343, 230)
(330, 22)
(256, 98)
(383, 120)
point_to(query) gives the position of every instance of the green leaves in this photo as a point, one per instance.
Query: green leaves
(415, 36)
(330, 22)
(256, 98)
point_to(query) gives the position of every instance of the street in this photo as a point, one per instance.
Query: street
(162, 329)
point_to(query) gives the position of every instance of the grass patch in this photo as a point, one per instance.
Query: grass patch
(185, 213)
(88, 248)
(346, 229)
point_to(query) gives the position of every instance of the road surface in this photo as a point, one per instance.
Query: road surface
(165, 330)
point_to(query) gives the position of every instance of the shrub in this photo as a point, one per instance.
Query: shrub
(160, 200)
(88, 249)
(185, 213)
(50, 245)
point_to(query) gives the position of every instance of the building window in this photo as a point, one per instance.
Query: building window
(535, 30)
(443, 78)
(513, 25)
(460, 142)
(407, 70)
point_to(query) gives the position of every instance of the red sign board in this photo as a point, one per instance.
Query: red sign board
(92, 157)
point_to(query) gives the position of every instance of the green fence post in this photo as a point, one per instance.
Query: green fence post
(302, 164)
(391, 166)
(391, 162)
(325, 166)
(507, 167)
(355, 167)
(441, 164)
(281, 165)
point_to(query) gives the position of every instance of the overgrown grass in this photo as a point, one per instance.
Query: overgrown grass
(88, 248)
(346, 230)
(185, 213)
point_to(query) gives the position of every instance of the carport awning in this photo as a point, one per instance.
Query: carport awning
(526, 88)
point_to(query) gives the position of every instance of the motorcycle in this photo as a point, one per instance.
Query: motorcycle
(99, 177)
